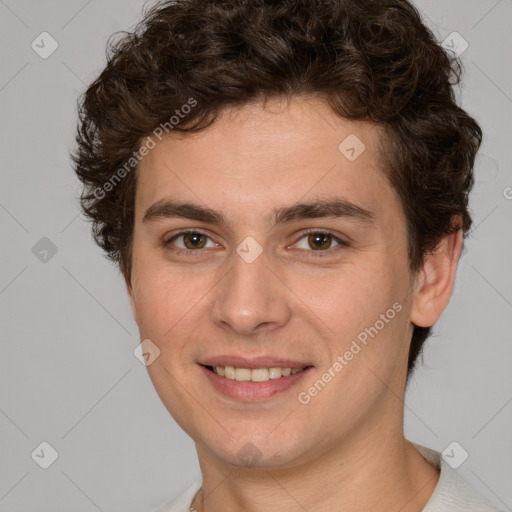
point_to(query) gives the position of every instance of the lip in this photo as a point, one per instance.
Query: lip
(254, 362)
(248, 391)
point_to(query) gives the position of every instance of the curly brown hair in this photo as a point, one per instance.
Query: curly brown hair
(370, 60)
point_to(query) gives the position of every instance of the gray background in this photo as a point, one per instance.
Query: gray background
(68, 375)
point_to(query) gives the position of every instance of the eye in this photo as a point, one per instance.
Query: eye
(319, 241)
(191, 240)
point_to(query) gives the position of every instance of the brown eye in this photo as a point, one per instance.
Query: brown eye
(318, 241)
(194, 240)
(189, 241)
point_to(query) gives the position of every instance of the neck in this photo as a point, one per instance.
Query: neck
(365, 474)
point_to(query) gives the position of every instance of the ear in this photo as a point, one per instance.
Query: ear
(434, 283)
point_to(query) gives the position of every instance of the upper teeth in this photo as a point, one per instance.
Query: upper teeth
(255, 374)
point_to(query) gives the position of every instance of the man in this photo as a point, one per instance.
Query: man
(284, 186)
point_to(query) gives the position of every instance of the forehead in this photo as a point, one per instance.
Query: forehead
(257, 156)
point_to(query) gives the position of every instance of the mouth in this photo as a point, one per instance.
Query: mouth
(254, 374)
(253, 384)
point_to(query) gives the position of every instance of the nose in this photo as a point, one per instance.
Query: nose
(251, 298)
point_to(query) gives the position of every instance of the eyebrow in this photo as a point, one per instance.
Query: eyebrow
(321, 208)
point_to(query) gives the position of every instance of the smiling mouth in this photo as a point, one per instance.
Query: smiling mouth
(254, 374)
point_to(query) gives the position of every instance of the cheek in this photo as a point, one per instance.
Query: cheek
(163, 298)
(350, 298)
(364, 310)
(366, 344)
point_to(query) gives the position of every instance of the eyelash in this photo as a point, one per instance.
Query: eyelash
(190, 252)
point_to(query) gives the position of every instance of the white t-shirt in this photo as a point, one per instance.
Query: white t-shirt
(452, 492)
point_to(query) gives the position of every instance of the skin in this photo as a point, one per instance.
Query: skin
(345, 450)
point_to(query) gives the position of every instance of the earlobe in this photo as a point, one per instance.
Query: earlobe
(435, 281)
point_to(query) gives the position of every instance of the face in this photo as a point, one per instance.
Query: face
(291, 253)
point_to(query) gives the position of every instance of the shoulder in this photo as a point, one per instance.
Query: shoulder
(452, 492)
(183, 501)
